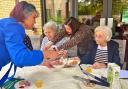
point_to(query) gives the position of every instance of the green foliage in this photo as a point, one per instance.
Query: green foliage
(91, 8)
(97, 5)
(118, 6)
(58, 20)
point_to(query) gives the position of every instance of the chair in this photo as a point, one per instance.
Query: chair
(122, 48)
(35, 39)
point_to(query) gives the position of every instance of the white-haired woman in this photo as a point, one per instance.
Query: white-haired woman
(104, 50)
(50, 30)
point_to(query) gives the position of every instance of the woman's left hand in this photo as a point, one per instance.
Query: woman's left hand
(64, 53)
(47, 64)
(98, 65)
(48, 45)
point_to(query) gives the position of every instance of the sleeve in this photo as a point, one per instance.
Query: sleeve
(44, 42)
(85, 59)
(58, 37)
(76, 39)
(14, 35)
(116, 57)
(88, 58)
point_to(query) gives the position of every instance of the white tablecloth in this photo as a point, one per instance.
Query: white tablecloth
(60, 79)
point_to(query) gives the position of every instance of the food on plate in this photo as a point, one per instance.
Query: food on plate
(88, 69)
(38, 83)
(23, 84)
(88, 83)
(59, 63)
(73, 61)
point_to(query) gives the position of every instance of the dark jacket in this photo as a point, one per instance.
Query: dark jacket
(113, 54)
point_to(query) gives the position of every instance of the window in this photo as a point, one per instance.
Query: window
(118, 6)
(56, 10)
(90, 11)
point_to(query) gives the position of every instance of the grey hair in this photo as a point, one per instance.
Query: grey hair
(51, 24)
(106, 31)
(22, 10)
(28, 9)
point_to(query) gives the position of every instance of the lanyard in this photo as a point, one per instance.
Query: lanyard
(5, 77)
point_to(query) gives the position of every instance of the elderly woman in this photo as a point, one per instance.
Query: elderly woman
(50, 30)
(104, 50)
(12, 34)
(80, 35)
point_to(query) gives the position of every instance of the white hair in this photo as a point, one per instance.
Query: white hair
(50, 25)
(106, 31)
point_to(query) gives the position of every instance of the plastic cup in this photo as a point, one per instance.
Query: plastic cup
(38, 83)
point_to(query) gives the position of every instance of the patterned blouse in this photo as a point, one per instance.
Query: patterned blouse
(27, 42)
(83, 38)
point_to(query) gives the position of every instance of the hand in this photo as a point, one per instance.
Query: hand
(56, 62)
(48, 45)
(45, 48)
(97, 65)
(47, 64)
(53, 47)
(76, 58)
(74, 61)
(50, 54)
(63, 53)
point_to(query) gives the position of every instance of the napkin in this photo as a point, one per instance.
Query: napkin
(123, 74)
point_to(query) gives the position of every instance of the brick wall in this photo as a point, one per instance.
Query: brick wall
(38, 24)
(7, 5)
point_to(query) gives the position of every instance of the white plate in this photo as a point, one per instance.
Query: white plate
(85, 87)
(70, 61)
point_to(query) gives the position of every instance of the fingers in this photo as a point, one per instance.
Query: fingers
(47, 64)
(97, 65)
(52, 55)
(94, 65)
(76, 58)
(63, 53)
(53, 47)
(45, 48)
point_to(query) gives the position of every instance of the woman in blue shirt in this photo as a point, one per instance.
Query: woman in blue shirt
(12, 34)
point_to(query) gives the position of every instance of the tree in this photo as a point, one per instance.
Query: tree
(90, 7)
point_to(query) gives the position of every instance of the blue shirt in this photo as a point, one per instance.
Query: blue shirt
(12, 47)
